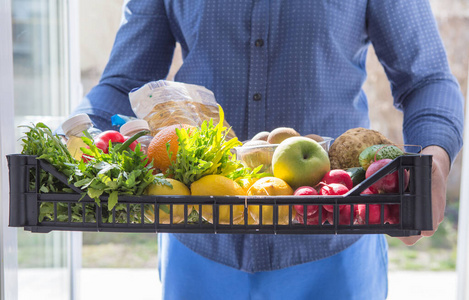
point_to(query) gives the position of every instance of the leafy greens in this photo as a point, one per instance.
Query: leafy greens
(206, 151)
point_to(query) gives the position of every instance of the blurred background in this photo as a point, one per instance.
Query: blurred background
(38, 74)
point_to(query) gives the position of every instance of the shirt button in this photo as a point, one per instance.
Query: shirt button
(257, 97)
(259, 43)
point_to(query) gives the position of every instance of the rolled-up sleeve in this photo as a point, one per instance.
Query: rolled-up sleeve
(406, 40)
(142, 52)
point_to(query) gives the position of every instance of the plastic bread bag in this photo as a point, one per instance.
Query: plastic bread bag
(162, 103)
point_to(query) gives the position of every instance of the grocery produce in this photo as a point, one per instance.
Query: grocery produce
(345, 214)
(310, 209)
(280, 134)
(164, 146)
(333, 189)
(300, 161)
(367, 191)
(110, 136)
(246, 183)
(345, 150)
(357, 174)
(118, 172)
(374, 213)
(206, 151)
(377, 152)
(270, 186)
(201, 162)
(338, 176)
(218, 185)
(315, 137)
(390, 182)
(173, 188)
(393, 215)
(314, 218)
(261, 136)
(40, 141)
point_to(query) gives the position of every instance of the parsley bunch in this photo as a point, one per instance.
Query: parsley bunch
(118, 172)
(41, 142)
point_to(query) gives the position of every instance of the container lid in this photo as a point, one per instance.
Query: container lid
(76, 121)
(133, 127)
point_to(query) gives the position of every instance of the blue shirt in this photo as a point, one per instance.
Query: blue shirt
(298, 64)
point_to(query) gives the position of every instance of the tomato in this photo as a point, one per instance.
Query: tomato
(102, 140)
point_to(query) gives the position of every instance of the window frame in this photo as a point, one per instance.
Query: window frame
(73, 92)
(8, 237)
(462, 263)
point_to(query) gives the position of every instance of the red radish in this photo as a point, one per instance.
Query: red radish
(338, 176)
(374, 214)
(313, 219)
(387, 184)
(333, 189)
(368, 191)
(393, 217)
(329, 217)
(305, 191)
(345, 214)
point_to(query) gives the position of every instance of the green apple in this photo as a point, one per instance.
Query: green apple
(300, 161)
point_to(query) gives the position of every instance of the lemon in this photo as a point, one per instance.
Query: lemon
(246, 183)
(178, 188)
(218, 185)
(251, 221)
(270, 186)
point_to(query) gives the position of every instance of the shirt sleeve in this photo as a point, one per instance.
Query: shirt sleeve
(406, 40)
(142, 52)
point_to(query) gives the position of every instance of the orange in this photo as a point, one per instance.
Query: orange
(157, 149)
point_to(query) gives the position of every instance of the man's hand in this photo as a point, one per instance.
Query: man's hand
(440, 171)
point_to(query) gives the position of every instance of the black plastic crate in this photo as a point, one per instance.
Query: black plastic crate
(72, 212)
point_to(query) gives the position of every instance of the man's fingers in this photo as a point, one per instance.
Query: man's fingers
(428, 233)
(410, 240)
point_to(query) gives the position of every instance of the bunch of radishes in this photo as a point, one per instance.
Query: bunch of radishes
(338, 182)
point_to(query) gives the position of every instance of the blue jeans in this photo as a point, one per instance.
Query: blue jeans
(358, 272)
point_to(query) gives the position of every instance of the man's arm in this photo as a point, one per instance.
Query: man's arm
(406, 39)
(142, 52)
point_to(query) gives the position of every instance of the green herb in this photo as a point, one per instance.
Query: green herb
(129, 141)
(41, 142)
(193, 218)
(114, 173)
(46, 212)
(119, 172)
(206, 151)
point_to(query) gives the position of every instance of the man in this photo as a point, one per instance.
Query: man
(298, 64)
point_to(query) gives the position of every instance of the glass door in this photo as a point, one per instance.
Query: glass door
(8, 253)
(42, 266)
